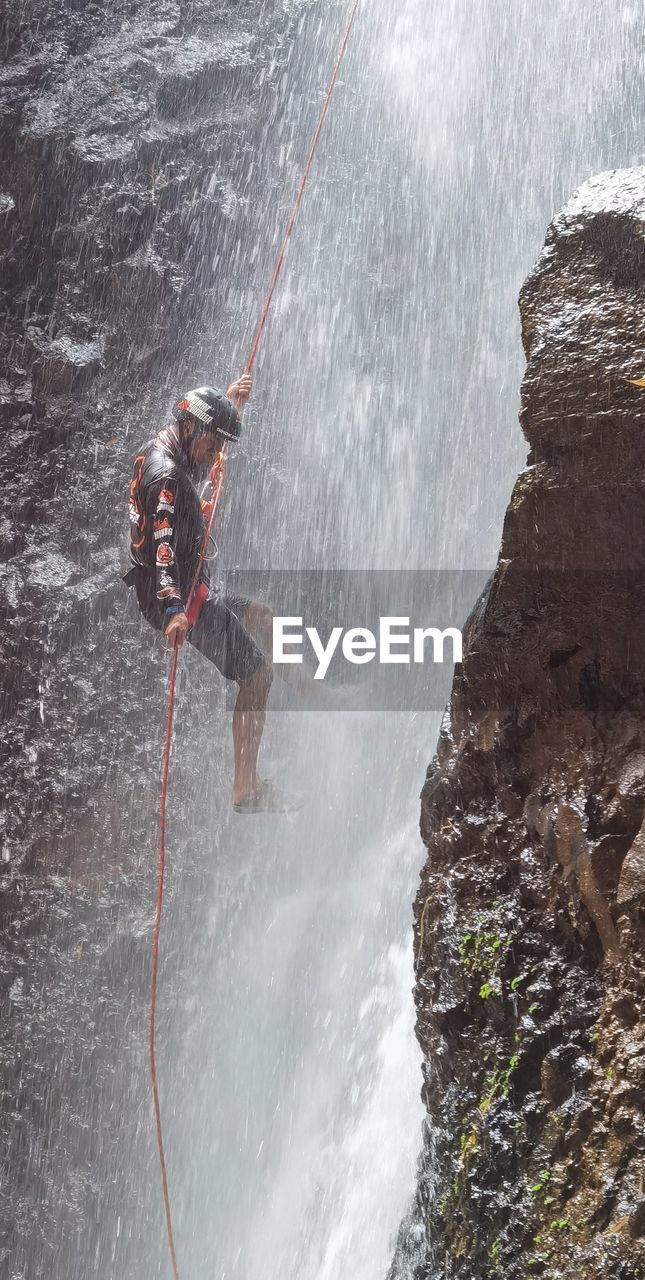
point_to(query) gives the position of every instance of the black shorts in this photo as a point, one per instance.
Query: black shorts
(220, 636)
(218, 633)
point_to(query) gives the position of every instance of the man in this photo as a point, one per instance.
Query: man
(167, 526)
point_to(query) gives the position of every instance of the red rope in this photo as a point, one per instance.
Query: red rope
(216, 479)
(301, 189)
(155, 959)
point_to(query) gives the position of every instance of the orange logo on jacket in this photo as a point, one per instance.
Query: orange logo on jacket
(165, 554)
(167, 496)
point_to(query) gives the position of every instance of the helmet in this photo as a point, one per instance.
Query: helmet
(212, 410)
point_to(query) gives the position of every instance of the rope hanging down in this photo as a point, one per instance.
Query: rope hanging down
(216, 479)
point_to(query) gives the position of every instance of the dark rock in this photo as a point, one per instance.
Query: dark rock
(63, 364)
(623, 1121)
(637, 1224)
(533, 808)
(15, 401)
(632, 875)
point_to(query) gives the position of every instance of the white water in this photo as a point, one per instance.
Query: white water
(298, 1142)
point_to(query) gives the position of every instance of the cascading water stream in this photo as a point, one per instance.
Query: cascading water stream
(389, 381)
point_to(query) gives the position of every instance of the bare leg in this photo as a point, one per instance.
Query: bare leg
(258, 621)
(248, 723)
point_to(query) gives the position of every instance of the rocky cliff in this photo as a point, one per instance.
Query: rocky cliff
(529, 918)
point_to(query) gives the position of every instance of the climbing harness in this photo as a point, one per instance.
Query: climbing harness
(216, 479)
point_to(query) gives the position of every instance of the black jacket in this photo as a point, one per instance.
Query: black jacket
(166, 521)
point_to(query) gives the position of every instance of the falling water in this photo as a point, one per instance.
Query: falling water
(382, 434)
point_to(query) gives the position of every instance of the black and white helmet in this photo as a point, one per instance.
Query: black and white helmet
(212, 411)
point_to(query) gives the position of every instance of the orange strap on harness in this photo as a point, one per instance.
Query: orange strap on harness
(197, 603)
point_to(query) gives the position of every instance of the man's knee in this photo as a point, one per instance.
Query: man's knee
(258, 620)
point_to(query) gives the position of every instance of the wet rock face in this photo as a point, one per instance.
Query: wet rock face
(529, 919)
(127, 134)
(125, 130)
(118, 125)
